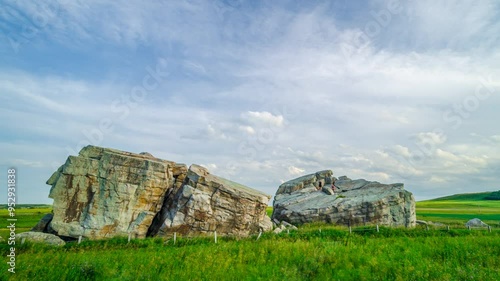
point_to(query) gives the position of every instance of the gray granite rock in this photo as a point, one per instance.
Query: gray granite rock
(354, 202)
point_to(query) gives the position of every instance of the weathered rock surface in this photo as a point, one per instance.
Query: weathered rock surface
(40, 237)
(105, 193)
(303, 200)
(475, 223)
(206, 203)
(43, 224)
(282, 226)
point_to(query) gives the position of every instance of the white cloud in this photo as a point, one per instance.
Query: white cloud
(247, 129)
(294, 171)
(447, 156)
(438, 180)
(433, 138)
(212, 168)
(263, 117)
(402, 151)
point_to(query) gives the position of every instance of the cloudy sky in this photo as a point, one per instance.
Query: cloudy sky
(257, 91)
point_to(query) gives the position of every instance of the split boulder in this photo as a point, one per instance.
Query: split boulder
(103, 193)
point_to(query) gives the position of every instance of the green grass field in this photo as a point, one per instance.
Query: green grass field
(27, 216)
(306, 254)
(458, 209)
(314, 252)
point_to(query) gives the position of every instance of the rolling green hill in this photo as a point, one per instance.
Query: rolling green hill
(469, 197)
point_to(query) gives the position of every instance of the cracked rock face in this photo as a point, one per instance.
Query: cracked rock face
(105, 193)
(206, 203)
(311, 199)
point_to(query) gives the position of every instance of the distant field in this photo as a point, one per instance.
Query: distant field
(269, 211)
(458, 209)
(27, 216)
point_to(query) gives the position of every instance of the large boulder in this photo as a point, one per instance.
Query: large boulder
(304, 200)
(207, 203)
(105, 193)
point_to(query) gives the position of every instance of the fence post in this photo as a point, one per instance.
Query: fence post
(175, 237)
(489, 229)
(378, 230)
(215, 237)
(79, 239)
(468, 227)
(320, 230)
(23, 240)
(288, 231)
(350, 230)
(448, 227)
(260, 234)
(129, 237)
(427, 227)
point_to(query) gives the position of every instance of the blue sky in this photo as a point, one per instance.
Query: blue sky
(257, 91)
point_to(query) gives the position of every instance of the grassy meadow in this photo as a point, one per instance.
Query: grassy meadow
(458, 209)
(27, 216)
(314, 252)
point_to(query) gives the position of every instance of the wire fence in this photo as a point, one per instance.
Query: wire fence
(213, 237)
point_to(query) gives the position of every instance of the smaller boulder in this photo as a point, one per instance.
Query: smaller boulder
(147, 154)
(284, 226)
(279, 229)
(39, 237)
(42, 225)
(476, 223)
(266, 225)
